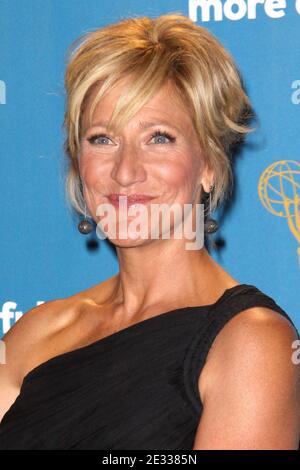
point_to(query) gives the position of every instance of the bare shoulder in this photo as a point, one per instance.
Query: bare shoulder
(256, 327)
(260, 333)
(261, 323)
(22, 342)
(30, 331)
(45, 331)
(41, 332)
(251, 384)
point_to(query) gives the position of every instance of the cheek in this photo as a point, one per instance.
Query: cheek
(92, 171)
(180, 174)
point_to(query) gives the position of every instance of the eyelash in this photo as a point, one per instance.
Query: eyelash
(155, 134)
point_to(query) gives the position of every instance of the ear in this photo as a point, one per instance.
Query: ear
(207, 179)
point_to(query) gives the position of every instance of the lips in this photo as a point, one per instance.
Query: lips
(129, 199)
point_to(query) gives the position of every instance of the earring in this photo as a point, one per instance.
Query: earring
(210, 225)
(84, 225)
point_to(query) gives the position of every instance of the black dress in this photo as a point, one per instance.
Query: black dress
(135, 389)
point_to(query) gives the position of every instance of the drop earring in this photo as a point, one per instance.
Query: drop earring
(210, 225)
(84, 225)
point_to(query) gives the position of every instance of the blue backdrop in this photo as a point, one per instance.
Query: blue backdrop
(43, 256)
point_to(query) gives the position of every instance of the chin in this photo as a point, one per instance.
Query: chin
(129, 242)
(125, 237)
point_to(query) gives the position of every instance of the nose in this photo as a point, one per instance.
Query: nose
(128, 169)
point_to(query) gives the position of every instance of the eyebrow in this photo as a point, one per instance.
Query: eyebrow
(142, 124)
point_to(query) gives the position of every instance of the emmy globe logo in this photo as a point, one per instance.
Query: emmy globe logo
(278, 190)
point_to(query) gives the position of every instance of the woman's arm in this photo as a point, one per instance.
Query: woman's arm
(251, 397)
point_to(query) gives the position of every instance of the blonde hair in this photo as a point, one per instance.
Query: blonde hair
(171, 47)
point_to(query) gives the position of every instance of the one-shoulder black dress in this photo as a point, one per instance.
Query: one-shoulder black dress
(135, 389)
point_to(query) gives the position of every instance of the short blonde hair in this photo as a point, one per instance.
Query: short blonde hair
(171, 47)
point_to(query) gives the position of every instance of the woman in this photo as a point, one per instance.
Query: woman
(172, 352)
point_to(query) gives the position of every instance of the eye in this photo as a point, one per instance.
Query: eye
(92, 139)
(159, 133)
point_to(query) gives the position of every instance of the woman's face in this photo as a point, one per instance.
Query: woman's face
(156, 154)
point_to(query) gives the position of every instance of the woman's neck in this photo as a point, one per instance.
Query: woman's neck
(166, 275)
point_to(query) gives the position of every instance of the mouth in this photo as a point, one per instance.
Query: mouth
(129, 200)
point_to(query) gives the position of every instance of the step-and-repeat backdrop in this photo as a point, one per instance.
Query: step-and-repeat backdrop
(43, 256)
